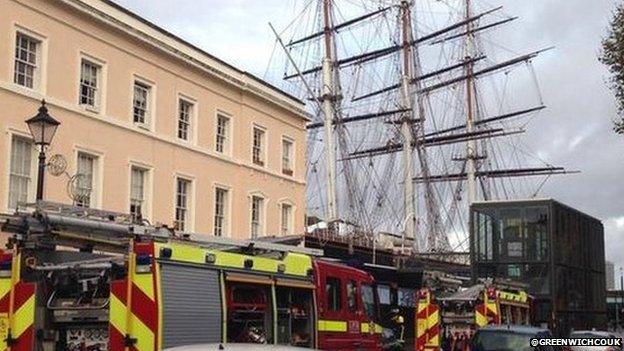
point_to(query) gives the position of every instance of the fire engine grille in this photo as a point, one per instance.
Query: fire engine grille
(191, 305)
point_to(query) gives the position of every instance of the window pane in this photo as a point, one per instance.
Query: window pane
(256, 216)
(368, 298)
(84, 185)
(258, 146)
(332, 291)
(25, 60)
(184, 119)
(286, 219)
(220, 214)
(137, 192)
(286, 156)
(222, 133)
(351, 296)
(20, 169)
(181, 213)
(140, 103)
(89, 83)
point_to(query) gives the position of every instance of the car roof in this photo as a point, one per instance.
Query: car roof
(524, 329)
(234, 347)
(592, 332)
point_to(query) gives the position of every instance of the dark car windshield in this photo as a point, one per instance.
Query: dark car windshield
(496, 340)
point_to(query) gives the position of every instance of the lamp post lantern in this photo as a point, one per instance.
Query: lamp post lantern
(42, 128)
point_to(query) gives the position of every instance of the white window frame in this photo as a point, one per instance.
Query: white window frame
(100, 97)
(39, 76)
(192, 122)
(32, 188)
(228, 137)
(262, 215)
(263, 148)
(189, 224)
(291, 220)
(227, 209)
(147, 187)
(290, 170)
(150, 104)
(95, 198)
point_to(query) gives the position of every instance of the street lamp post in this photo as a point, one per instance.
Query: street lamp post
(42, 128)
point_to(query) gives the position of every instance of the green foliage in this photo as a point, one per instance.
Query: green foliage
(612, 56)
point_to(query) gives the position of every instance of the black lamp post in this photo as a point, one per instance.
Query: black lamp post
(42, 128)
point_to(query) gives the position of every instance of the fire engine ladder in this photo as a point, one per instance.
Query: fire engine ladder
(50, 224)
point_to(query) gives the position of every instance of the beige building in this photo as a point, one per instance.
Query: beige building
(153, 125)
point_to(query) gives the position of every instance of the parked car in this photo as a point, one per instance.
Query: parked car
(235, 347)
(509, 338)
(594, 334)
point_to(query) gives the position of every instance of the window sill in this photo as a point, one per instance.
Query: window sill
(288, 172)
(258, 163)
(143, 126)
(90, 108)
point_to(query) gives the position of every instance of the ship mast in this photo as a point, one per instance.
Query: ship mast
(329, 111)
(471, 144)
(406, 126)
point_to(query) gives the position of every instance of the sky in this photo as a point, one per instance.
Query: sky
(575, 131)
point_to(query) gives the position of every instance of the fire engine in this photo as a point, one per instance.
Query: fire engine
(448, 321)
(74, 279)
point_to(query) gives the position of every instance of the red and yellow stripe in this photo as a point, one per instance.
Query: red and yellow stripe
(17, 308)
(487, 312)
(427, 323)
(134, 312)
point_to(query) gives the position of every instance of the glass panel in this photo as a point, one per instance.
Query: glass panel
(20, 169)
(25, 60)
(140, 103)
(332, 291)
(86, 164)
(368, 298)
(222, 133)
(220, 207)
(351, 294)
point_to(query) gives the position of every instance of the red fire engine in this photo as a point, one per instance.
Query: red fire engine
(80, 279)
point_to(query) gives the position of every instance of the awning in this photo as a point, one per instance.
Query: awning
(248, 278)
(293, 283)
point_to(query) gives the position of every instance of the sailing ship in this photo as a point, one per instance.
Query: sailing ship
(414, 116)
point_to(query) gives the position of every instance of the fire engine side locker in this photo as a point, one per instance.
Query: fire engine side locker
(191, 304)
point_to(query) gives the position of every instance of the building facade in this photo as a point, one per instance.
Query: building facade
(151, 125)
(610, 275)
(557, 251)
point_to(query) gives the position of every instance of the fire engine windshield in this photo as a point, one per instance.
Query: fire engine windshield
(368, 298)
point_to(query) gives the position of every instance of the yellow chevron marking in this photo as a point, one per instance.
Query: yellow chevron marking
(24, 317)
(144, 336)
(5, 286)
(433, 319)
(492, 307)
(480, 319)
(434, 341)
(145, 283)
(118, 314)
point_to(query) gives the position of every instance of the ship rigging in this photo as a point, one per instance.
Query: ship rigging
(411, 119)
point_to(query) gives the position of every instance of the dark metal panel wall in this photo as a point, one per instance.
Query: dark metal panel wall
(191, 305)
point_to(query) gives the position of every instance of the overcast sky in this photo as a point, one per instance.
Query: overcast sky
(575, 131)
